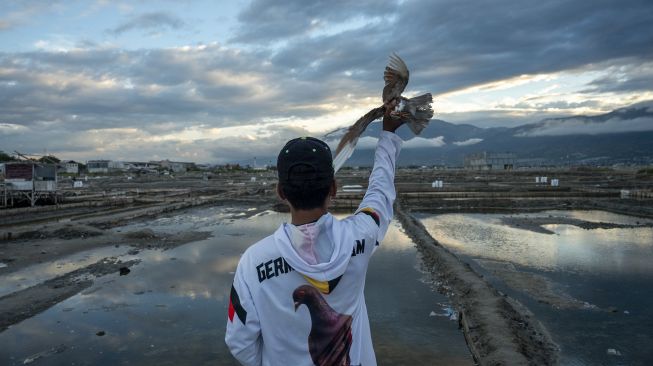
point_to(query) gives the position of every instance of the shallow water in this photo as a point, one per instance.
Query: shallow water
(171, 309)
(610, 271)
(37, 273)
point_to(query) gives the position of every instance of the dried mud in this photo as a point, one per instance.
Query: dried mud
(536, 224)
(536, 286)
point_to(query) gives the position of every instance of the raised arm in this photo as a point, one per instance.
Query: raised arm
(381, 193)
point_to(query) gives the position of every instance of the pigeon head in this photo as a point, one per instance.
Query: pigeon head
(306, 295)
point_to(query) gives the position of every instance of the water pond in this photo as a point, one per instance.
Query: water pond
(591, 288)
(171, 308)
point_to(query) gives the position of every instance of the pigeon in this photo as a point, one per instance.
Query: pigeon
(416, 112)
(330, 338)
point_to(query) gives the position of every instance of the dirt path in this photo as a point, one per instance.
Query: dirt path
(498, 329)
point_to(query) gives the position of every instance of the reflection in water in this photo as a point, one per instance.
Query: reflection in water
(171, 309)
(570, 248)
(608, 268)
(37, 273)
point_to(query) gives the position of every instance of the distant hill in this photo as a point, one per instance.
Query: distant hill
(624, 135)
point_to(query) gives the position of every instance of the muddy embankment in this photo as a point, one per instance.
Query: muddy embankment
(498, 329)
(536, 224)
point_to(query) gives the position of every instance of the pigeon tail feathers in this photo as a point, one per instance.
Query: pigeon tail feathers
(343, 155)
(348, 142)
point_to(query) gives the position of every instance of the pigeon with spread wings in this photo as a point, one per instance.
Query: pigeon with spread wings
(416, 112)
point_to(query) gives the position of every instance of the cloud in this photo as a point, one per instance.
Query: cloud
(468, 142)
(149, 21)
(583, 126)
(263, 21)
(452, 44)
(632, 77)
(10, 129)
(264, 146)
(421, 142)
(16, 13)
(368, 143)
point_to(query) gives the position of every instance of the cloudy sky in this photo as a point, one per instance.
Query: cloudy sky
(211, 81)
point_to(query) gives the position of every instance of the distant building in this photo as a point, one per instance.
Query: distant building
(98, 166)
(204, 166)
(490, 161)
(29, 180)
(70, 167)
(139, 166)
(116, 165)
(176, 166)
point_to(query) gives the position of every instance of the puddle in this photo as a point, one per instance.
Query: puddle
(590, 288)
(37, 273)
(172, 307)
(570, 248)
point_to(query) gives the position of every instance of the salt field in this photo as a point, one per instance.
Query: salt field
(171, 307)
(591, 288)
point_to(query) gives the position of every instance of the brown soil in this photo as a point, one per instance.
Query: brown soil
(536, 224)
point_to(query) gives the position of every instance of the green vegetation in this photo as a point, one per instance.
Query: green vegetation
(6, 157)
(50, 159)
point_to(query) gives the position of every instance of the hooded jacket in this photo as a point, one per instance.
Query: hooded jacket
(297, 296)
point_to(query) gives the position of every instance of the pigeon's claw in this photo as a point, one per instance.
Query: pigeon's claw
(399, 114)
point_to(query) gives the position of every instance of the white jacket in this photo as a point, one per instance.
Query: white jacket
(297, 296)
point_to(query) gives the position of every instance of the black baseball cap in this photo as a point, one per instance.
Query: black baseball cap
(305, 159)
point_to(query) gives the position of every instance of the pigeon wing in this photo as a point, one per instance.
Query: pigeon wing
(348, 142)
(395, 77)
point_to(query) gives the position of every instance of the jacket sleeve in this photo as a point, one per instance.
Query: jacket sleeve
(381, 194)
(243, 336)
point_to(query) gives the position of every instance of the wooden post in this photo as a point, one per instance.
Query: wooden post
(32, 198)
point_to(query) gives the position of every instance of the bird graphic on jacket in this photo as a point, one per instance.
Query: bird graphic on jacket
(330, 338)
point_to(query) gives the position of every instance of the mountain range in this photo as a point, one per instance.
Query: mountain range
(623, 136)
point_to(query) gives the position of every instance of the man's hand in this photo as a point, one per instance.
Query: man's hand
(390, 124)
